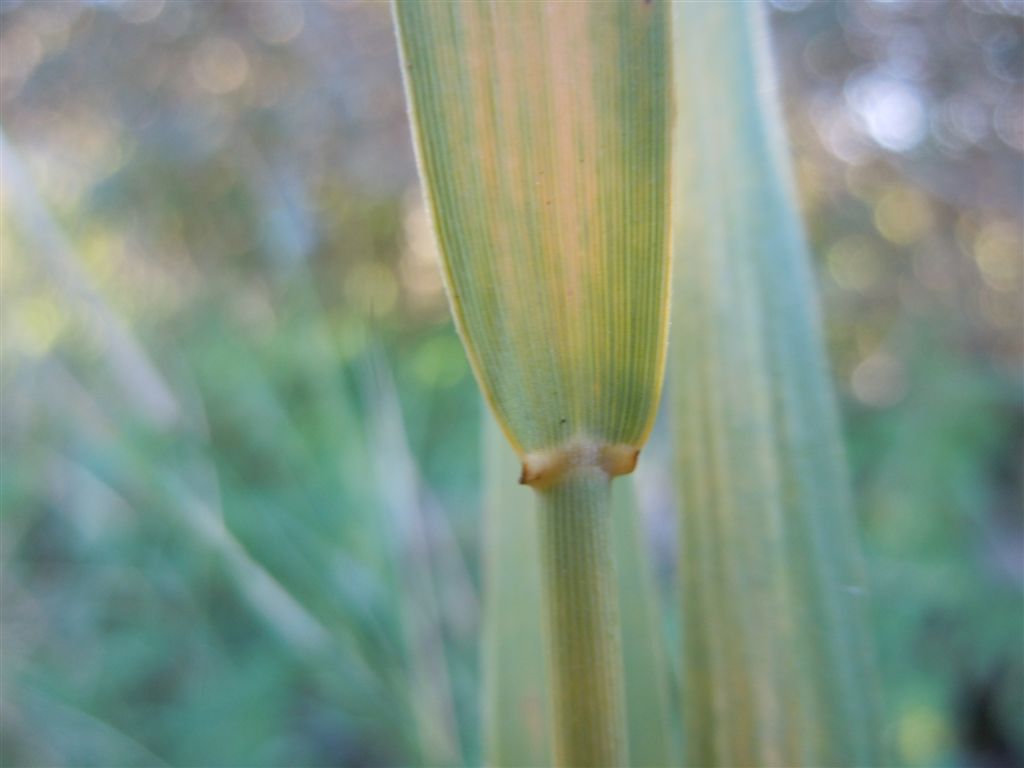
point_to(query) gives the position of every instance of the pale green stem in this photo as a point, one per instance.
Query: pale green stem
(582, 627)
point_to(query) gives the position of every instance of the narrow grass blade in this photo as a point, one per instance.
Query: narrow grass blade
(431, 695)
(143, 385)
(542, 131)
(514, 679)
(776, 655)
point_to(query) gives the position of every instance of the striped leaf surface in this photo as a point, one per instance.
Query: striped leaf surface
(776, 658)
(542, 131)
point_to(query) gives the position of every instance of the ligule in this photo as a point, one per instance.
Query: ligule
(544, 469)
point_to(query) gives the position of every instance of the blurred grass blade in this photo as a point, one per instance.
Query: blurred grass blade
(643, 637)
(142, 384)
(514, 676)
(776, 657)
(542, 132)
(431, 696)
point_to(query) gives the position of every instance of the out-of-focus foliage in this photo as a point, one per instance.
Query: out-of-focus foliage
(777, 659)
(229, 539)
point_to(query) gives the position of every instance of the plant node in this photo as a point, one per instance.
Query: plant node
(543, 469)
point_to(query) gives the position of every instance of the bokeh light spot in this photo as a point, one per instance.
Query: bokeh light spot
(880, 380)
(960, 122)
(997, 252)
(440, 362)
(890, 109)
(1001, 310)
(923, 735)
(40, 324)
(1009, 123)
(853, 263)
(276, 23)
(902, 215)
(219, 65)
(420, 266)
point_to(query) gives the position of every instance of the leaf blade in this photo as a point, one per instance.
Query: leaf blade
(542, 132)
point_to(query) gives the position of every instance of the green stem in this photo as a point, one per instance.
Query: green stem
(582, 626)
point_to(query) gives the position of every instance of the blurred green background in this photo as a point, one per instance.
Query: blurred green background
(240, 440)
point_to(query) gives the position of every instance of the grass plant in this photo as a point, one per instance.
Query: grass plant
(542, 132)
(240, 441)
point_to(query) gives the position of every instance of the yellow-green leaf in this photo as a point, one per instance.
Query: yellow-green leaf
(542, 131)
